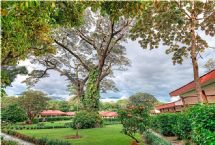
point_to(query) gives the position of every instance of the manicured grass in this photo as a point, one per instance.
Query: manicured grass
(108, 135)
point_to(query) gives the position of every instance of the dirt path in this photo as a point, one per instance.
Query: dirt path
(21, 142)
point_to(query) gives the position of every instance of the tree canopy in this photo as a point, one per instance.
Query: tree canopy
(177, 25)
(143, 99)
(33, 102)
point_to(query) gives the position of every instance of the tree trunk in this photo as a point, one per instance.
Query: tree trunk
(194, 55)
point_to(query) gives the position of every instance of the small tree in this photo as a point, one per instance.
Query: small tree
(33, 102)
(13, 113)
(134, 119)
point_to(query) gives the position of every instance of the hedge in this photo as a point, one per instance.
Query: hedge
(57, 118)
(182, 127)
(153, 139)
(197, 124)
(202, 119)
(164, 123)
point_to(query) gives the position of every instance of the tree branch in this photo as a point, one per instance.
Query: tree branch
(75, 55)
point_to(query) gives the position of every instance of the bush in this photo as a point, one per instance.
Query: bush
(58, 118)
(13, 113)
(152, 139)
(154, 123)
(203, 124)
(182, 127)
(85, 119)
(165, 123)
(45, 141)
(35, 121)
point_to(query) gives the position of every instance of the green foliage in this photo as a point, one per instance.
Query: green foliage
(122, 104)
(143, 99)
(165, 123)
(64, 106)
(92, 95)
(152, 139)
(172, 22)
(13, 113)
(86, 119)
(196, 123)
(134, 119)
(35, 121)
(8, 75)
(8, 142)
(111, 121)
(57, 118)
(202, 123)
(33, 102)
(38, 141)
(109, 106)
(116, 9)
(182, 126)
(26, 30)
(6, 101)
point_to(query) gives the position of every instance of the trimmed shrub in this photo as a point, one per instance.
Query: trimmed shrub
(45, 141)
(57, 118)
(85, 119)
(154, 123)
(203, 124)
(182, 127)
(166, 123)
(153, 139)
(35, 121)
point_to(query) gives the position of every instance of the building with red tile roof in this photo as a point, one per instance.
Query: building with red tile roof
(52, 113)
(187, 94)
(108, 114)
(70, 113)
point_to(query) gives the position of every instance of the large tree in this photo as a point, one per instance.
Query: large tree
(143, 99)
(179, 25)
(33, 102)
(90, 53)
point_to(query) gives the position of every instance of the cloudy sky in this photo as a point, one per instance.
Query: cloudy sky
(150, 71)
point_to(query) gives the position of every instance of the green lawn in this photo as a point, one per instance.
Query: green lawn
(108, 135)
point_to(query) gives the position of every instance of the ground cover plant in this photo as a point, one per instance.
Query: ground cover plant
(110, 134)
(152, 139)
